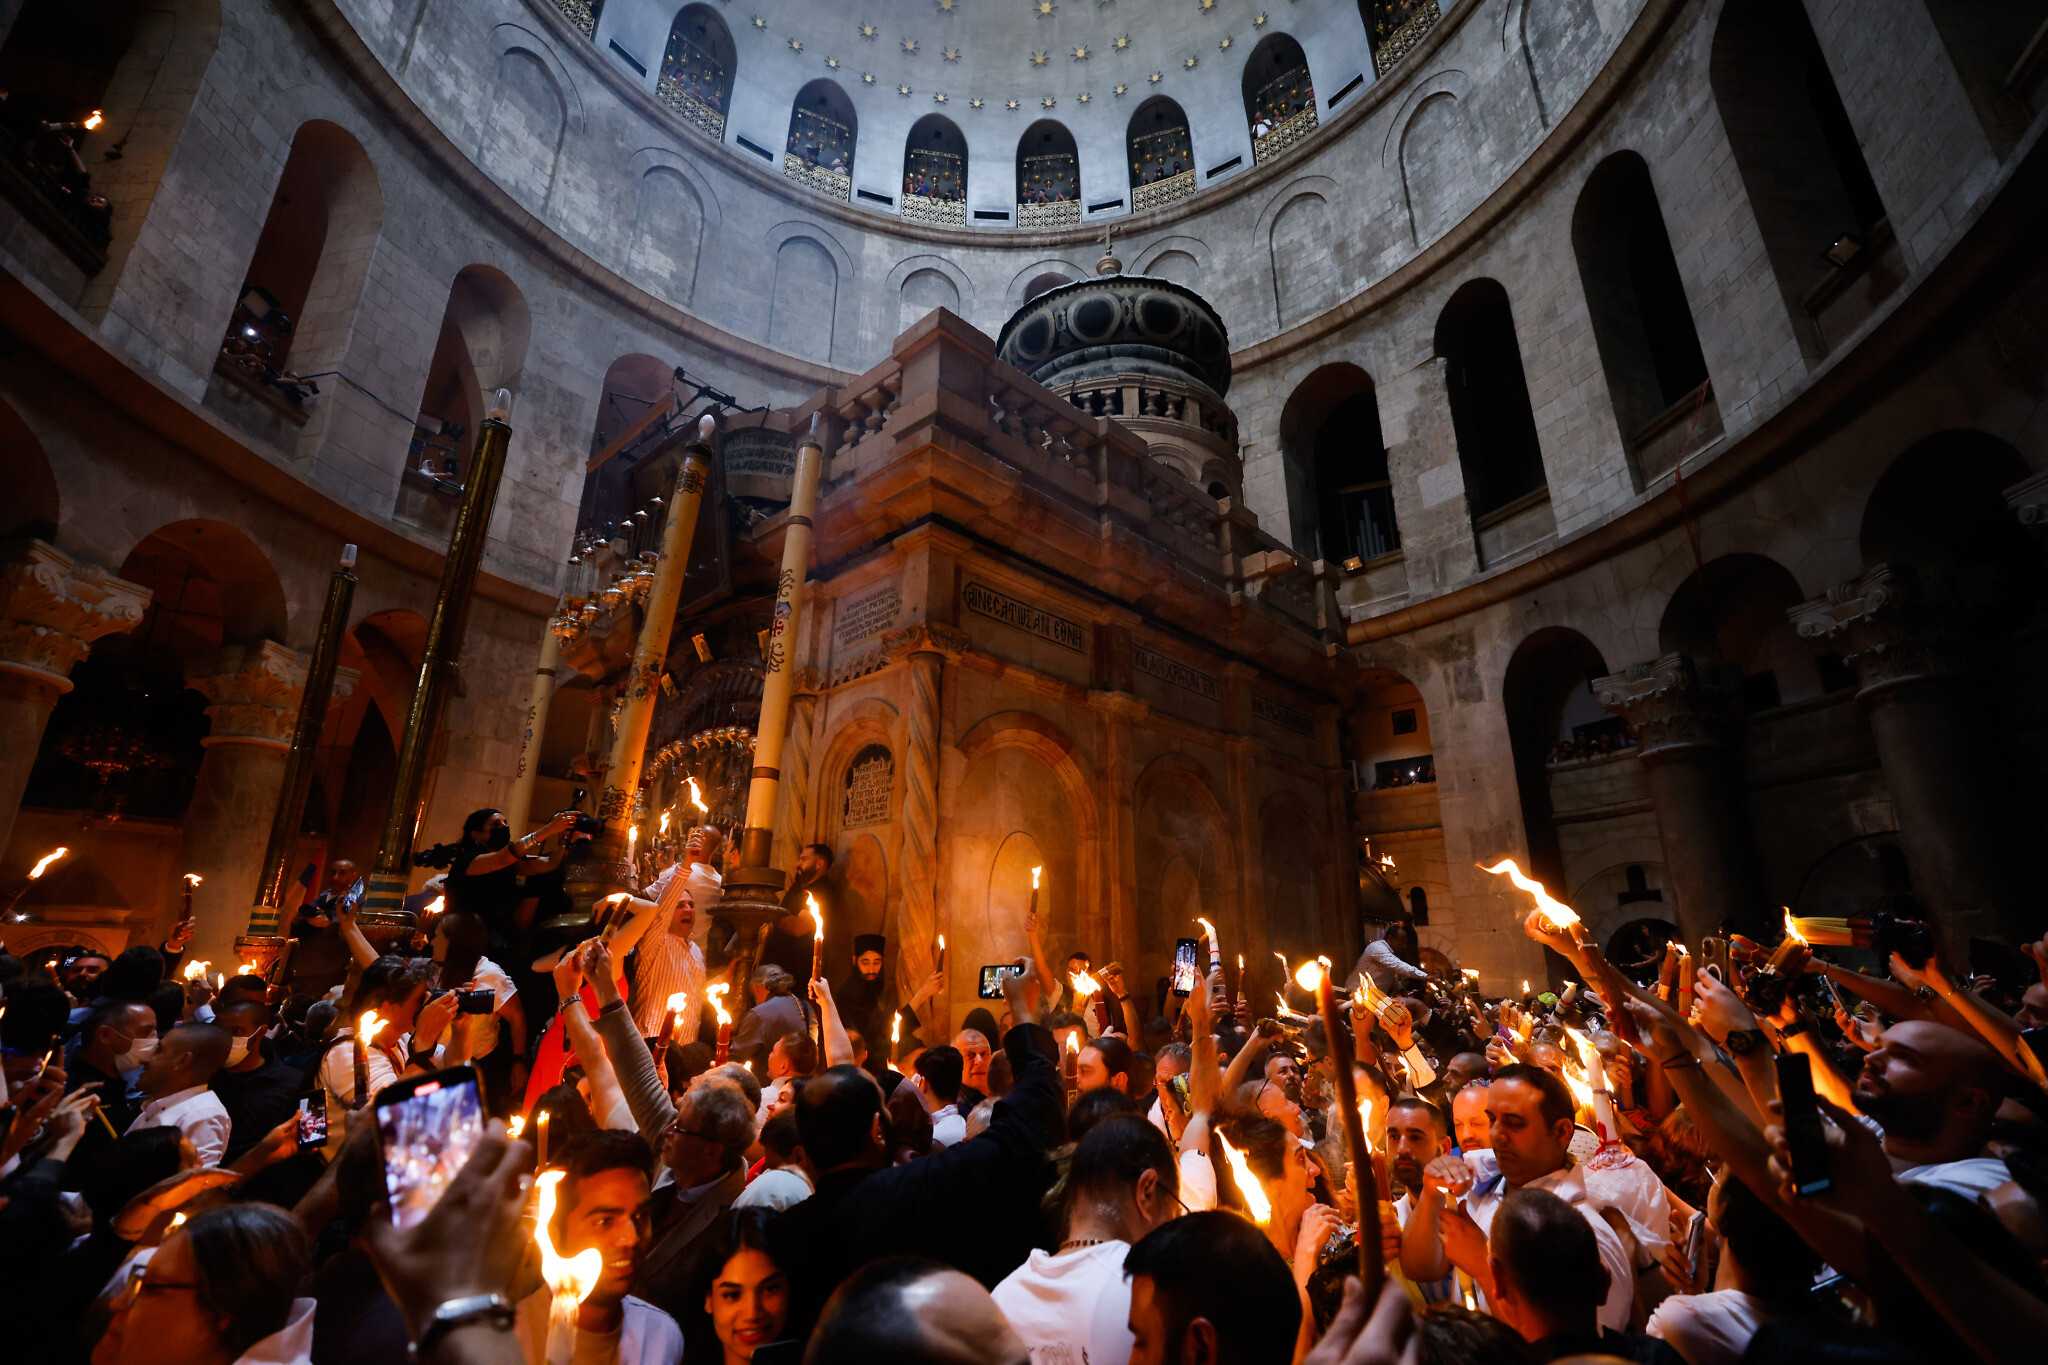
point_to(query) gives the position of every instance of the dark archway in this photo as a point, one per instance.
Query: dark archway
(1394, 27)
(1162, 153)
(935, 172)
(1496, 427)
(1735, 610)
(697, 69)
(33, 506)
(1547, 692)
(1048, 176)
(1279, 97)
(1941, 506)
(1330, 429)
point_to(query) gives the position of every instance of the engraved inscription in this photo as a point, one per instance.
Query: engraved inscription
(986, 601)
(1286, 717)
(867, 787)
(868, 615)
(1175, 672)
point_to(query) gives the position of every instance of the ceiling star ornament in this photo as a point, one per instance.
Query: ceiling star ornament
(1122, 42)
(796, 45)
(947, 6)
(1038, 59)
(1048, 102)
(1259, 19)
(1081, 53)
(759, 22)
(1085, 97)
(938, 97)
(1046, 8)
(910, 47)
(867, 78)
(975, 103)
(1156, 77)
(867, 31)
(1224, 46)
(1205, 5)
(832, 63)
(1189, 62)
(903, 90)
(1012, 105)
(1123, 89)
(951, 54)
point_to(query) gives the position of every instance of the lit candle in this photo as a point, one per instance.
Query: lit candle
(541, 1135)
(715, 996)
(1070, 1058)
(1314, 977)
(195, 970)
(368, 1026)
(569, 1279)
(192, 879)
(1240, 978)
(43, 863)
(942, 952)
(896, 1033)
(1556, 914)
(1034, 890)
(515, 1125)
(1215, 950)
(1790, 957)
(817, 939)
(668, 1020)
(1255, 1201)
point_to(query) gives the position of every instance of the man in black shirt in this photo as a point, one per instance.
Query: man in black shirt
(116, 1037)
(789, 940)
(258, 1092)
(859, 996)
(1549, 1283)
(320, 959)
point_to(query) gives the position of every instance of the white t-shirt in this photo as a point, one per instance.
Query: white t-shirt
(949, 1128)
(1073, 1308)
(1197, 1182)
(775, 1189)
(1709, 1329)
(483, 1028)
(646, 1335)
(1489, 1189)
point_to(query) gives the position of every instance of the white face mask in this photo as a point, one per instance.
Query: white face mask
(238, 1049)
(140, 1050)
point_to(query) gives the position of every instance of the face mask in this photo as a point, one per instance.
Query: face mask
(139, 1052)
(498, 838)
(237, 1050)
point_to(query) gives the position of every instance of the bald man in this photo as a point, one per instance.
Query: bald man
(174, 1082)
(906, 1310)
(1934, 1091)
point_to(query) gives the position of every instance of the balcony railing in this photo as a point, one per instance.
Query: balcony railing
(66, 211)
(925, 208)
(1285, 136)
(1160, 193)
(581, 13)
(1402, 40)
(1065, 213)
(833, 184)
(694, 111)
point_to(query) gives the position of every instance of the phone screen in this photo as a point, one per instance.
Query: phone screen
(426, 1130)
(312, 1125)
(1803, 1133)
(992, 979)
(1187, 966)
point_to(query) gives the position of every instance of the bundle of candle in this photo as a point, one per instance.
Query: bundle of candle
(196, 971)
(1085, 986)
(1831, 931)
(43, 863)
(1255, 1201)
(1556, 913)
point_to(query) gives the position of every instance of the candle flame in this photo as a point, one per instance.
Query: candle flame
(437, 905)
(368, 1026)
(515, 1125)
(632, 838)
(697, 797)
(895, 1029)
(1525, 987)
(1034, 877)
(43, 864)
(1255, 1201)
(195, 970)
(817, 915)
(177, 1221)
(678, 1000)
(571, 1277)
(1240, 964)
(1792, 927)
(1074, 1042)
(1556, 913)
(942, 943)
(664, 822)
(1589, 1062)
(1207, 928)
(193, 879)
(1310, 977)
(1285, 970)
(246, 969)
(1084, 984)
(94, 120)
(714, 996)
(1471, 973)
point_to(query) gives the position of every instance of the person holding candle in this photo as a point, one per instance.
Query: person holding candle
(859, 994)
(790, 940)
(395, 989)
(116, 1040)
(695, 874)
(320, 957)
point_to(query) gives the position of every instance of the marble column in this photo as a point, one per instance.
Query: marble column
(925, 646)
(794, 828)
(255, 696)
(52, 608)
(1687, 717)
(1907, 637)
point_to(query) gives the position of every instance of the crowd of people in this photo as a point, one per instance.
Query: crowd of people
(1743, 1154)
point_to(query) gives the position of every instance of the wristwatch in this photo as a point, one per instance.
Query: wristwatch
(492, 1308)
(1744, 1041)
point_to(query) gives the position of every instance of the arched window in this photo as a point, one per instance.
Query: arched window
(482, 347)
(1496, 428)
(1162, 154)
(1048, 176)
(306, 275)
(1656, 375)
(697, 68)
(1279, 100)
(1823, 224)
(1331, 424)
(1985, 42)
(822, 133)
(1394, 27)
(1734, 609)
(935, 172)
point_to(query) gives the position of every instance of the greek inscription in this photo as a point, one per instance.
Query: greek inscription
(986, 601)
(1175, 672)
(864, 617)
(1286, 717)
(868, 783)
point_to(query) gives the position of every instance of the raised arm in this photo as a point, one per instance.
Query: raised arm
(838, 1047)
(645, 1094)
(1205, 1077)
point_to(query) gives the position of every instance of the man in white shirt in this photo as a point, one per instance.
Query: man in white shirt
(174, 1082)
(1074, 1304)
(1932, 1092)
(1531, 1112)
(938, 1084)
(1389, 961)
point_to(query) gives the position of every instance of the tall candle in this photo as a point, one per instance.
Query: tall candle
(541, 1129)
(942, 952)
(715, 997)
(1315, 977)
(668, 1020)
(367, 1028)
(1215, 950)
(818, 939)
(1034, 890)
(192, 879)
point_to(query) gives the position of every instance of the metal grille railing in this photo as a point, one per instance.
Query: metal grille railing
(694, 111)
(1285, 136)
(1171, 190)
(835, 184)
(581, 13)
(1396, 27)
(925, 208)
(1064, 214)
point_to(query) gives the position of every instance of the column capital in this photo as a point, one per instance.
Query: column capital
(256, 694)
(1895, 625)
(1675, 703)
(52, 608)
(926, 637)
(2028, 500)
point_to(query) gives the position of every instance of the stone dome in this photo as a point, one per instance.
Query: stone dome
(1118, 325)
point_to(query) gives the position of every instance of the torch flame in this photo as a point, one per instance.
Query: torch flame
(678, 1000)
(697, 798)
(664, 822)
(94, 120)
(437, 905)
(1556, 913)
(1255, 1201)
(1792, 926)
(177, 1221)
(1285, 970)
(1074, 1042)
(368, 1026)
(247, 969)
(1084, 984)
(1034, 877)
(195, 970)
(714, 996)
(43, 864)
(817, 915)
(895, 1029)
(193, 879)
(942, 943)
(571, 1277)
(515, 1126)
(1207, 928)
(1310, 977)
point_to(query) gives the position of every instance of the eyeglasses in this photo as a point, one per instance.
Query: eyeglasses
(138, 1283)
(675, 1125)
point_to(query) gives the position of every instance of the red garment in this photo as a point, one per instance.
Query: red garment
(554, 1055)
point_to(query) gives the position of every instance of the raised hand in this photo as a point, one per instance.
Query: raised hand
(469, 1243)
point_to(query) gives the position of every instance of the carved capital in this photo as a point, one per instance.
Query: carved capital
(1675, 703)
(52, 608)
(2028, 500)
(926, 637)
(255, 696)
(1895, 625)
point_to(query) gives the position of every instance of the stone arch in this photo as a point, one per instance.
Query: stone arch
(1553, 48)
(823, 125)
(1636, 300)
(485, 328)
(1985, 42)
(1428, 133)
(1157, 142)
(34, 506)
(867, 723)
(1498, 449)
(313, 256)
(1298, 230)
(1048, 164)
(1940, 506)
(1179, 820)
(669, 221)
(1330, 436)
(1734, 608)
(1547, 695)
(1178, 257)
(210, 575)
(1274, 82)
(803, 306)
(527, 119)
(924, 282)
(1801, 165)
(1032, 280)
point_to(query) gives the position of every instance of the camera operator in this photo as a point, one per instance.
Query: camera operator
(486, 863)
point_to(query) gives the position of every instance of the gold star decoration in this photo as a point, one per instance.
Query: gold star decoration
(1048, 102)
(1205, 5)
(1122, 89)
(951, 54)
(796, 45)
(974, 103)
(1224, 46)
(1085, 97)
(1156, 77)
(910, 47)
(1038, 59)
(868, 31)
(1046, 9)
(832, 63)
(946, 6)
(1081, 53)
(1189, 62)
(867, 78)
(1121, 43)
(903, 90)
(1011, 105)
(759, 22)
(938, 97)
(1259, 19)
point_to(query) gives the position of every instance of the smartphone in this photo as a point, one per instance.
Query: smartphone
(1714, 958)
(1803, 1133)
(1694, 1231)
(992, 979)
(482, 1000)
(1187, 966)
(312, 1125)
(426, 1129)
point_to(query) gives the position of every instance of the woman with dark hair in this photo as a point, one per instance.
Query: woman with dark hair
(460, 938)
(222, 1288)
(484, 872)
(746, 1294)
(1299, 1227)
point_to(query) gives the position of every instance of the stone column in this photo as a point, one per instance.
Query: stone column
(1687, 717)
(52, 608)
(1115, 924)
(1906, 635)
(794, 829)
(255, 698)
(917, 929)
